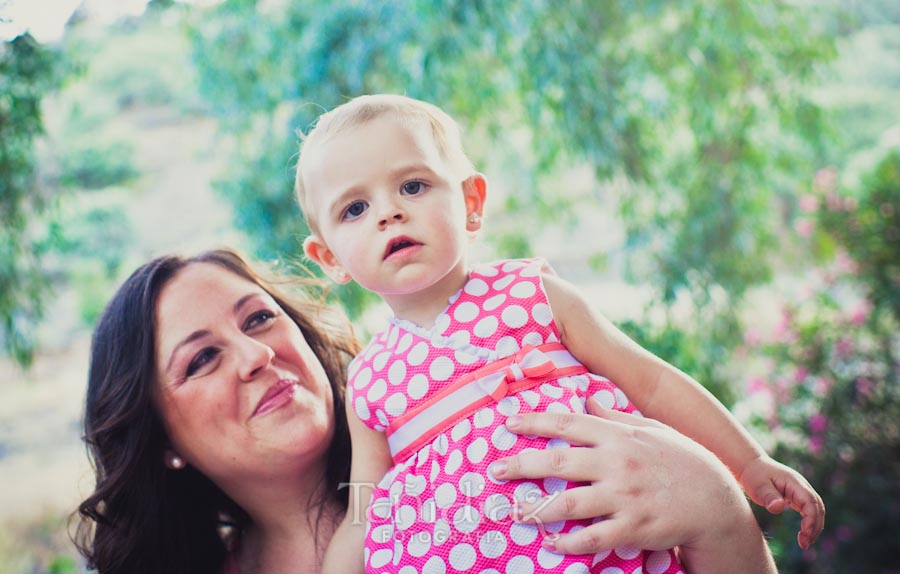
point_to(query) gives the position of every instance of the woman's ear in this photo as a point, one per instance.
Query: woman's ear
(318, 251)
(475, 193)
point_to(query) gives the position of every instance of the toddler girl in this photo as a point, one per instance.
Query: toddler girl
(391, 201)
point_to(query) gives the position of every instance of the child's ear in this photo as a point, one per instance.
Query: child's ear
(475, 193)
(318, 251)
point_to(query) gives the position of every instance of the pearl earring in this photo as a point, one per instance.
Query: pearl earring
(176, 462)
(473, 218)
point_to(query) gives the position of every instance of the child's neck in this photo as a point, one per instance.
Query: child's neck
(423, 307)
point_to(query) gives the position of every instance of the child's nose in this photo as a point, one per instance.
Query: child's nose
(391, 216)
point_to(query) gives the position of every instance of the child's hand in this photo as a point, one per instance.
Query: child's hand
(776, 486)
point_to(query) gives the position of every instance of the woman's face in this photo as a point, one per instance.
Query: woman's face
(241, 393)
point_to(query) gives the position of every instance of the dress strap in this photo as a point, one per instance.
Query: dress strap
(529, 367)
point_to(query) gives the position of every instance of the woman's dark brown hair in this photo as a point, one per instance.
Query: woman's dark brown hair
(141, 517)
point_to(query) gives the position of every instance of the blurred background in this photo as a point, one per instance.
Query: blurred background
(723, 179)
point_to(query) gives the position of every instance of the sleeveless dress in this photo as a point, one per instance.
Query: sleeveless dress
(441, 396)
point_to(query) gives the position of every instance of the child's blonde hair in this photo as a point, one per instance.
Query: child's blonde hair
(363, 109)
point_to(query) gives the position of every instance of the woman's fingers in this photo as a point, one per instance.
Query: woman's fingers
(583, 502)
(603, 535)
(572, 464)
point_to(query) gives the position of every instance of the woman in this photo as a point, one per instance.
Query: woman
(214, 419)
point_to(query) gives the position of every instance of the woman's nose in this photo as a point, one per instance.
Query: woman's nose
(392, 215)
(254, 358)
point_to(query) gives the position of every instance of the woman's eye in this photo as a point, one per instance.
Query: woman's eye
(413, 188)
(258, 318)
(202, 359)
(355, 209)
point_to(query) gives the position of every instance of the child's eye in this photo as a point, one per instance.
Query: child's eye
(412, 188)
(202, 359)
(355, 209)
(257, 319)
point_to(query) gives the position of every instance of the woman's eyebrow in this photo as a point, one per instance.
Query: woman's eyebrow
(189, 339)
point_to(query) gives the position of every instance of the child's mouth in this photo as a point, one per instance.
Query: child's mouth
(399, 244)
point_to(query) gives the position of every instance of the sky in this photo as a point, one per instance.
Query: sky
(46, 19)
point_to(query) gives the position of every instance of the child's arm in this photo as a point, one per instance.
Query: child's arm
(371, 460)
(662, 392)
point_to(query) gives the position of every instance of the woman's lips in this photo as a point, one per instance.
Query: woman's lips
(278, 395)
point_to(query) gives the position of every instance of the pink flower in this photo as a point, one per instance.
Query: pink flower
(804, 227)
(808, 203)
(817, 423)
(820, 386)
(825, 179)
(816, 444)
(755, 385)
(845, 264)
(752, 337)
(800, 374)
(834, 202)
(844, 347)
(861, 313)
(864, 387)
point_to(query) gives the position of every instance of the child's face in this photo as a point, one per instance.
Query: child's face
(390, 211)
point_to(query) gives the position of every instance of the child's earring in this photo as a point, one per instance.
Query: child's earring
(474, 219)
(342, 276)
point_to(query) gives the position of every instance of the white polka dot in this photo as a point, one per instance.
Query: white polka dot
(408, 570)
(466, 519)
(418, 354)
(444, 495)
(551, 391)
(354, 366)
(486, 327)
(393, 333)
(419, 544)
(465, 358)
(621, 399)
(462, 557)
(415, 485)
(549, 560)
(382, 418)
(441, 531)
(461, 430)
(530, 397)
(418, 386)
(627, 552)
(395, 405)
(533, 339)
(576, 568)
(441, 323)
(558, 443)
(508, 406)
(497, 507)
(513, 265)
(542, 314)
(605, 398)
(363, 378)
(398, 553)
(441, 369)
(381, 507)
(460, 339)
(428, 512)
(381, 557)
(534, 268)
(522, 290)
(382, 534)
(453, 462)
(477, 450)
(471, 484)
(520, 565)
(362, 409)
(493, 302)
(523, 534)
(492, 544)
(514, 316)
(576, 403)
(375, 348)
(455, 297)
(503, 282)
(381, 360)
(507, 346)
(613, 570)
(377, 390)
(405, 517)
(465, 312)
(405, 341)
(440, 444)
(554, 485)
(435, 470)
(527, 492)
(483, 418)
(552, 338)
(557, 408)
(397, 372)
(435, 565)
(486, 270)
(658, 562)
(502, 439)
(476, 287)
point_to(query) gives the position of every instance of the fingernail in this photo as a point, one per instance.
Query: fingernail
(549, 542)
(498, 469)
(513, 421)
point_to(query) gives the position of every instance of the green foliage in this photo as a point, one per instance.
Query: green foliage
(26, 74)
(703, 105)
(93, 166)
(833, 392)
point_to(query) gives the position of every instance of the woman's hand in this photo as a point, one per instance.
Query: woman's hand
(654, 488)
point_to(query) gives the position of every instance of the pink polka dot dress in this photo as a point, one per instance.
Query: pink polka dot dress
(441, 395)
